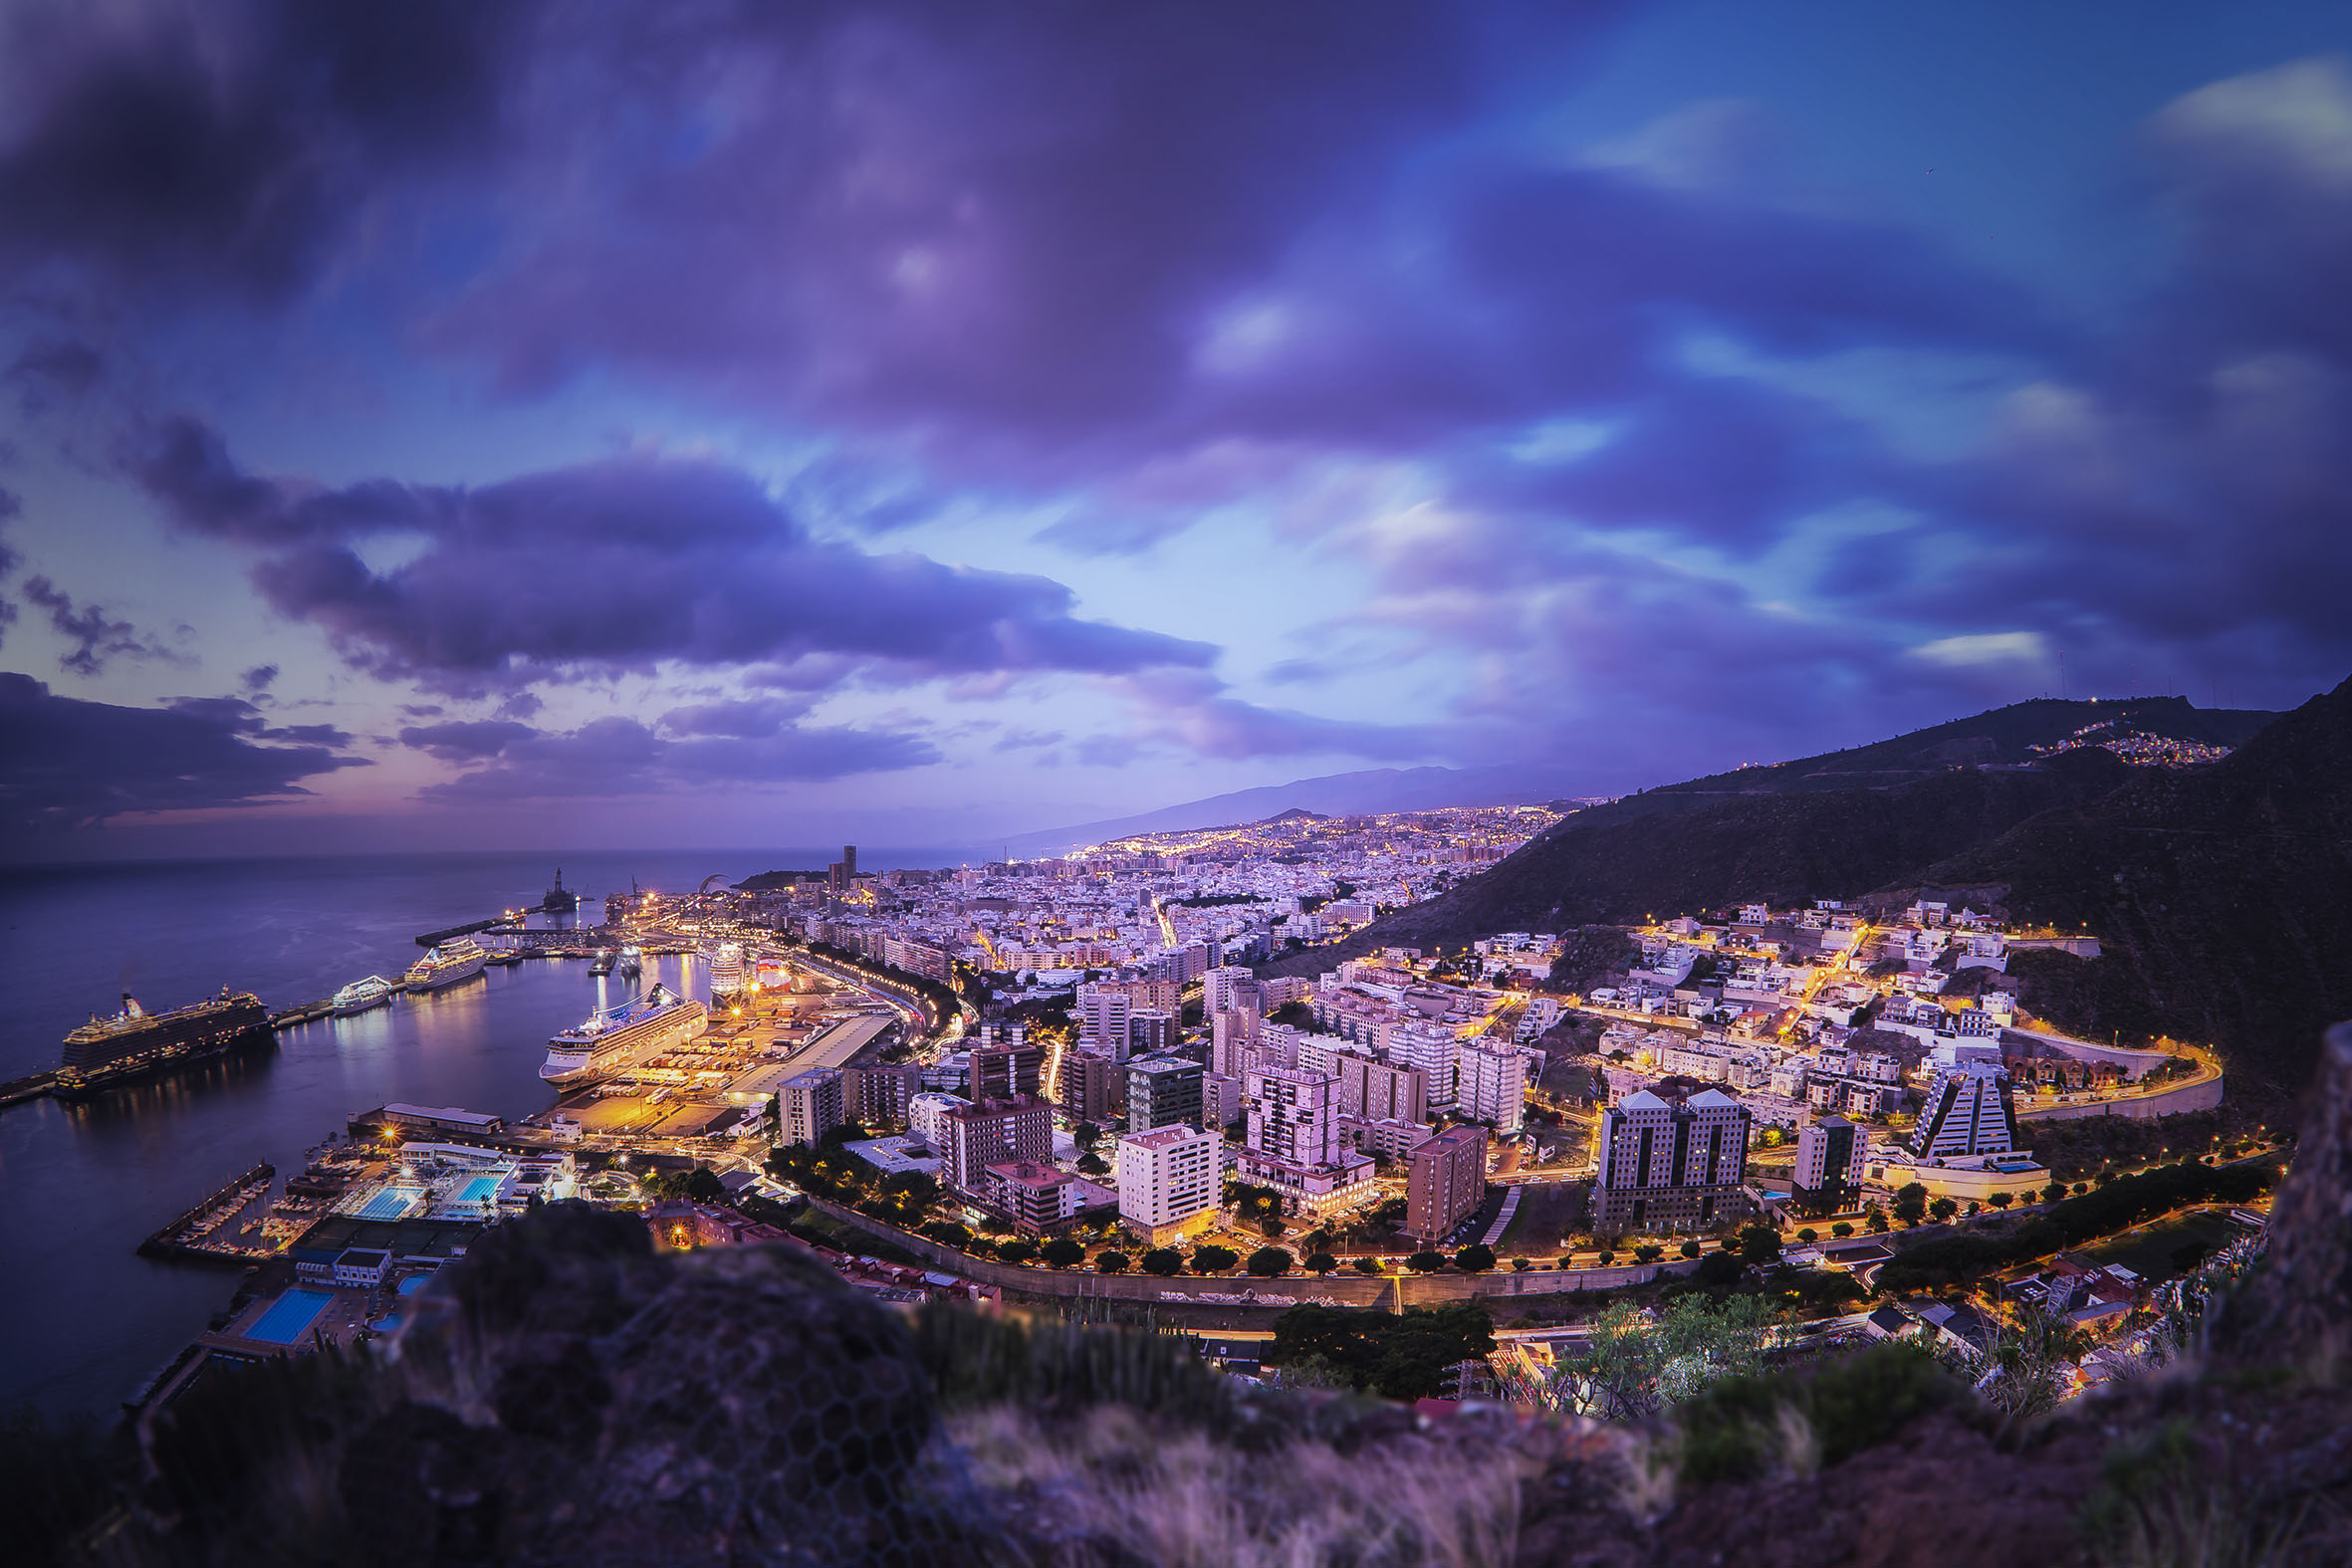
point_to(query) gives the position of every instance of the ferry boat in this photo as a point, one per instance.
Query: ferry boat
(447, 964)
(618, 1038)
(602, 963)
(133, 1043)
(359, 996)
(633, 963)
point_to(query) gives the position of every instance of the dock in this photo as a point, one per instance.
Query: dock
(192, 1235)
(17, 1090)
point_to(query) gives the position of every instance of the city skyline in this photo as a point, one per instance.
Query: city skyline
(911, 425)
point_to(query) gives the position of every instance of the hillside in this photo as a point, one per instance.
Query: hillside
(1372, 791)
(1833, 825)
(2222, 896)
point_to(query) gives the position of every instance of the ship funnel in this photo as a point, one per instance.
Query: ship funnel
(132, 1008)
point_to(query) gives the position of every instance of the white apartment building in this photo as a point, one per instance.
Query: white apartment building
(1229, 988)
(1294, 1145)
(1436, 1053)
(1493, 1087)
(1168, 1181)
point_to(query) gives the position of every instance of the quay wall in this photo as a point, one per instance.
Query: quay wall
(1394, 1292)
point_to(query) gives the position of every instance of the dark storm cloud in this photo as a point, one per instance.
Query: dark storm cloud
(227, 146)
(620, 565)
(71, 764)
(96, 638)
(621, 757)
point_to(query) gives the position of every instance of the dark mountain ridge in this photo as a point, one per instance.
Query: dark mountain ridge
(2222, 896)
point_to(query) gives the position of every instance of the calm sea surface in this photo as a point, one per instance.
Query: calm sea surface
(83, 1318)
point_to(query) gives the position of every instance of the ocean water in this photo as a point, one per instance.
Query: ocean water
(82, 1317)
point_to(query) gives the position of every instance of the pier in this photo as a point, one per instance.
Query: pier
(193, 1235)
(17, 1090)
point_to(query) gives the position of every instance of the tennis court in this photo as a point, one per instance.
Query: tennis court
(289, 1316)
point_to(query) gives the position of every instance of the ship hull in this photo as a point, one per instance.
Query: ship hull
(451, 974)
(568, 1069)
(355, 1008)
(96, 1082)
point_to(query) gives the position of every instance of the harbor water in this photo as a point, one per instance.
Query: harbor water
(86, 1319)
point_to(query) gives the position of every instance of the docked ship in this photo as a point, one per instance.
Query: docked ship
(447, 964)
(729, 976)
(633, 963)
(602, 963)
(110, 1052)
(560, 900)
(359, 996)
(617, 1038)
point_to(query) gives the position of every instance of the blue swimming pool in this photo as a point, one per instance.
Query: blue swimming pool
(412, 1284)
(391, 1203)
(289, 1316)
(479, 1188)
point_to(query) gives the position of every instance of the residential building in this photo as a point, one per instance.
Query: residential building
(1229, 989)
(809, 1105)
(1169, 1182)
(876, 1098)
(1093, 1089)
(1150, 1032)
(1380, 1091)
(1436, 1052)
(1039, 1196)
(926, 1116)
(1232, 1033)
(1221, 1100)
(990, 1133)
(1828, 1165)
(1001, 1071)
(1163, 1091)
(1493, 1087)
(1671, 1163)
(1445, 1182)
(1294, 1141)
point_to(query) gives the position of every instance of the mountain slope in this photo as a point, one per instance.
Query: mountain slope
(1778, 847)
(2222, 896)
(1374, 790)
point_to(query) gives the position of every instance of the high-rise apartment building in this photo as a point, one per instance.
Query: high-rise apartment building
(1968, 1112)
(1436, 1053)
(1221, 1100)
(1163, 1091)
(1229, 989)
(1168, 1181)
(1445, 1182)
(1493, 1086)
(1828, 1165)
(877, 1097)
(1150, 1032)
(1669, 1163)
(1001, 1071)
(807, 1106)
(1231, 1032)
(1104, 1014)
(1378, 1091)
(1093, 1089)
(1294, 1145)
(990, 1133)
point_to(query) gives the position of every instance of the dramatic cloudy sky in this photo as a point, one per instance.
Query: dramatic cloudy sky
(716, 423)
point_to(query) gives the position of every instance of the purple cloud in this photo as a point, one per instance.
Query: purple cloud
(72, 764)
(96, 638)
(621, 565)
(621, 757)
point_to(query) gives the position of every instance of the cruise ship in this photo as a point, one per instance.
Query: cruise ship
(448, 963)
(359, 996)
(106, 1052)
(727, 975)
(618, 1038)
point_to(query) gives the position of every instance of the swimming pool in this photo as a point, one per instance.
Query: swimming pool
(412, 1284)
(479, 1188)
(391, 1203)
(289, 1316)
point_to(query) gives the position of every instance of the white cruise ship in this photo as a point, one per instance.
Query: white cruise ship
(459, 959)
(618, 1038)
(727, 975)
(359, 996)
